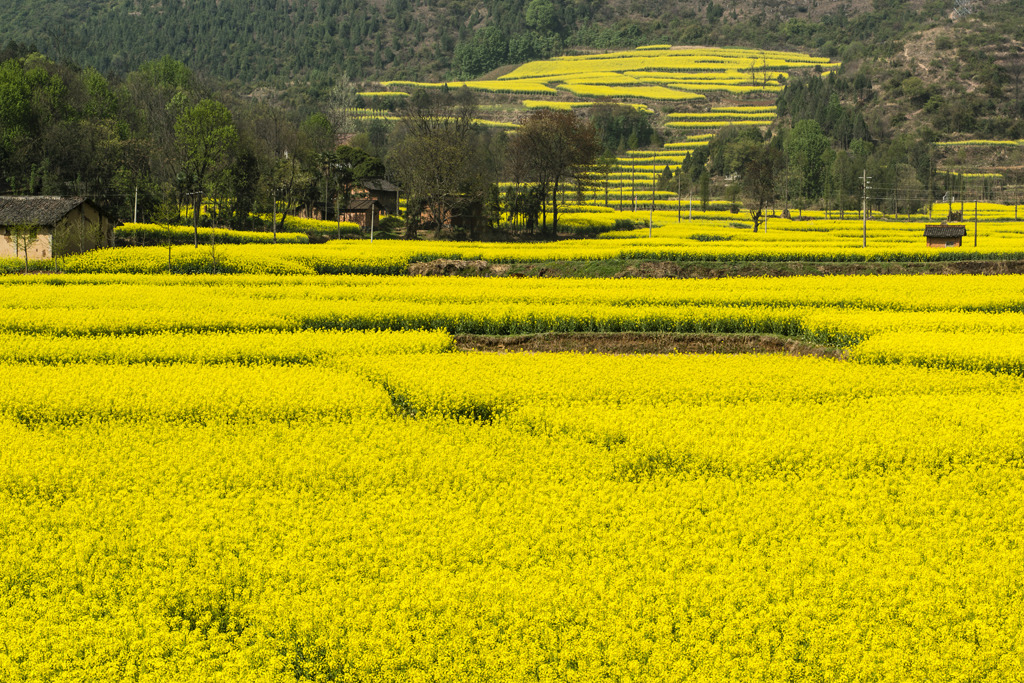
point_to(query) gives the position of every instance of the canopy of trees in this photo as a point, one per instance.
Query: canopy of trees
(277, 41)
(551, 147)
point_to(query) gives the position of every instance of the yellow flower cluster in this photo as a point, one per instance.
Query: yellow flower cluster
(992, 348)
(532, 87)
(273, 345)
(982, 143)
(731, 63)
(714, 235)
(654, 73)
(720, 114)
(474, 517)
(881, 319)
(152, 233)
(642, 92)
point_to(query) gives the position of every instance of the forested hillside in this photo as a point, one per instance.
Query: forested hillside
(923, 100)
(278, 40)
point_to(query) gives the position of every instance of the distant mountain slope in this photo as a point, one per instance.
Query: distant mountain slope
(281, 40)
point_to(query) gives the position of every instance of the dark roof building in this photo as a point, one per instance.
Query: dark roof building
(383, 191)
(379, 185)
(59, 226)
(365, 212)
(945, 235)
(364, 205)
(37, 211)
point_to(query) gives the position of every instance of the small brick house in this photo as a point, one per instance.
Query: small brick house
(363, 211)
(384, 192)
(58, 226)
(945, 235)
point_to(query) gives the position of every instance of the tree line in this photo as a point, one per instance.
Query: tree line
(165, 144)
(163, 141)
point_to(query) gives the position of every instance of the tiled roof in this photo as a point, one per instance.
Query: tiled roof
(362, 205)
(36, 210)
(379, 185)
(944, 230)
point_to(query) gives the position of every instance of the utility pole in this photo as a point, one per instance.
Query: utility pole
(864, 206)
(135, 212)
(975, 222)
(650, 222)
(273, 212)
(194, 196)
(679, 193)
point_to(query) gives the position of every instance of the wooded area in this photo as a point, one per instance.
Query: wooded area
(161, 137)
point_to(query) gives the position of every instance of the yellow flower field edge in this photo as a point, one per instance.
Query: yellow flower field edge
(141, 234)
(396, 256)
(987, 351)
(473, 518)
(129, 319)
(268, 346)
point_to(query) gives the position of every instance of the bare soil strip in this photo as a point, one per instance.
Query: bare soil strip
(644, 342)
(617, 268)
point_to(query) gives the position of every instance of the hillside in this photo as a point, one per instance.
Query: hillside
(959, 83)
(276, 41)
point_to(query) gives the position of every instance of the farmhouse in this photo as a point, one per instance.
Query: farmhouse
(52, 226)
(363, 211)
(381, 190)
(945, 235)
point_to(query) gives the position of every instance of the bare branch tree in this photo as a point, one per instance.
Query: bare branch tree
(437, 160)
(557, 145)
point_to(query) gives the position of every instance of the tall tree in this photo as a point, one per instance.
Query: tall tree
(436, 160)
(810, 155)
(758, 177)
(205, 137)
(557, 145)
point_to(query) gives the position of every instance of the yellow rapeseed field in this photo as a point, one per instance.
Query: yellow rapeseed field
(718, 234)
(217, 478)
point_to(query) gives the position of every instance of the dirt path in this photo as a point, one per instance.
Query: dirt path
(618, 268)
(644, 342)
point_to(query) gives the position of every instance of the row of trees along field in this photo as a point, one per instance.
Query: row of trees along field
(164, 137)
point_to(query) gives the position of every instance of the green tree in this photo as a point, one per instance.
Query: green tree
(845, 181)
(24, 236)
(758, 177)
(244, 182)
(809, 155)
(205, 137)
(436, 161)
(542, 15)
(485, 50)
(16, 119)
